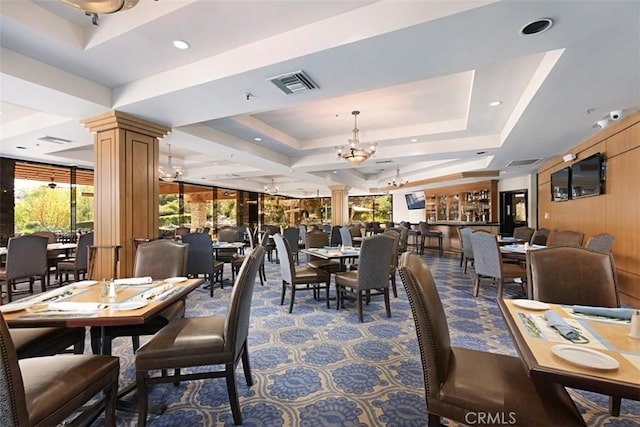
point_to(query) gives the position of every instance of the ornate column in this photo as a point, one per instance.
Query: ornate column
(125, 186)
(339, 205)
(198, 203)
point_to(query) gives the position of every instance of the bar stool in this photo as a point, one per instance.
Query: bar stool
(426, 233)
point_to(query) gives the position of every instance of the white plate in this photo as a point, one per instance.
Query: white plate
(175, 279)
(15, 306)
(129, 305)
(531, 304)
(84, 284)
(585, 357)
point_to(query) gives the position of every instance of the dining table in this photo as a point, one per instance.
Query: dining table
(602, 357)
(341, 253)
(67, 247)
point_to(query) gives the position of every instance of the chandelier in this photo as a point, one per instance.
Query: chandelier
(271, 188)
(93, 7)
(170, 173)
(397, 181)
(353, 154)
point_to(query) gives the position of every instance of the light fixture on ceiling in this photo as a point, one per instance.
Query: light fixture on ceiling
(170, 173)
(271, 188)
(353, 154)
(52, 184)
(397, 181)
(94, 7)
(181, 44)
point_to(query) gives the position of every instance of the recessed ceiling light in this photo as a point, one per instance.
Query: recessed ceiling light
(495, 103)
(257, 138)
(181, 44)
(414, 139)
(536, 27)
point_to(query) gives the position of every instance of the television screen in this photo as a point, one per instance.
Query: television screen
(415, 200)
(587, 176)
(560, 185)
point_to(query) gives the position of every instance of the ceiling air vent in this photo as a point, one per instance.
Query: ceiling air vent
(294, 82)
(382, 162)
(54, 139)
(516, 163)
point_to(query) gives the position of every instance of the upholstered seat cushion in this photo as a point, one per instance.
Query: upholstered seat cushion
(506, 390)
(32, 342)
(191, 341)
(512, 271)
(310, 275)
(52, 382)
(324, 264)
(348, 278)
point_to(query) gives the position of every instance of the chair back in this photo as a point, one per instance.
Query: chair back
(345, 236)
(403, 243)
(423, 227)
(335, 239)
(316, 239)
(303, 232)
(486, 254)
(600, 243)
(465, 241)
(540, 237)
(356, 230)
(375, 226)
(227, 234)
(396, 244)
(200, 253)
(13, 411)
(523, 233)
(205, 230)
(50, 235)
(182, 231)
(374, 261)
(430, 321)
(389, 224)
(240, 231)
(26, 256)
(285, 256)
(574, 276)
(292, 234)
(160, 259)
(565, 238)
(82, 251)
(236, 324)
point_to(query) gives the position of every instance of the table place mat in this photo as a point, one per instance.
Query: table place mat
(569, 311)
(55, 314)
(552, 335)
(155, 291)
(634, 359)
(76, 306)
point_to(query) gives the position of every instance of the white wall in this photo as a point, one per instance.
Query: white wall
(400, 211)
(523, 182)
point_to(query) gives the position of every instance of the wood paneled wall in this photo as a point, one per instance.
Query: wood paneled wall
(616, 212)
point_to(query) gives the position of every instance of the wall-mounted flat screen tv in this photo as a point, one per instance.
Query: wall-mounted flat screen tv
(587, 176)
(415, 200)
(560, 185)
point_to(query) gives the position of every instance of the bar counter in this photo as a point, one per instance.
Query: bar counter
(450, 240)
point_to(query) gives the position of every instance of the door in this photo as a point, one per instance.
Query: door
(513, 210)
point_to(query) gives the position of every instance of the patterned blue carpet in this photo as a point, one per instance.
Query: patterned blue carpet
(322, 367)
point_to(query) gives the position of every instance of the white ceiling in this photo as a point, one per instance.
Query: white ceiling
(416, 69)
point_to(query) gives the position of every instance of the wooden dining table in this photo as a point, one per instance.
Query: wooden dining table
(329, 253)
(614, 368)
(50, 247)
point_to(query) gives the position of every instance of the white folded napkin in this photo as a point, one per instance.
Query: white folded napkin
(155, 291)
(76, 306)
(133, 281)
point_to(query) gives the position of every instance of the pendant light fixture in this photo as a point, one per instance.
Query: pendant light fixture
(354, 154)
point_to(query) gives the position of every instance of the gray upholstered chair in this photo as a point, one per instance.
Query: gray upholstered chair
(182, 231)
(345, 236)
(292, 234)
(467, 248)
(158, 259)
(53, 257)
(488, 262)
(372, 276)
(77, 265)
(460, 381)
(523, 233)
(200, 259)
(335, 239)
(320, 239)
(203, 341)
(238, 260)
(26, 259)
(600, 243)
(540, 236)
(294, 277)
(302, 235)
(227, 255)
(393, 269)
(565, 238)
(45, 391)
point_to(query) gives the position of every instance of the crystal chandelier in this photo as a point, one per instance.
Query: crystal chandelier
(271, 188)
(353, 154)
(170, 173)
(397, 181)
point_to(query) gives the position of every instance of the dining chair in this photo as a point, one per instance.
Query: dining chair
(462, 384)
(467, 248)
(393, 268)
(356, 233)
(299, 278)
(539, 237)
(270, 246)
(26, 259)
(229, 235)
(200, 259)
(320, 239)
(372, 276)
(292, 234)
(77, 265)
(54, 256)
(302, 235)
(47, 341)
(600, 243)
(335, 239)
(158, 259)
(574, 276)
(47, 390)
(182, 231)
(523, 233)
(488, 262)
(345, 236)
(426, 234)
(238, 260)
(565, 238)
(203, 341)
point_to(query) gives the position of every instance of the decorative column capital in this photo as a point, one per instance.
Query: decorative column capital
(117, 119)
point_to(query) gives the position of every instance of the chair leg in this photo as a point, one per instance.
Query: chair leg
(387, 303)
(135, 342)
(262, 273)
(614, 405)
(476, 285)
(461, 259)
(246, 366)
(293, 297)
(434, 420)
(233, 393)
(500, 287)
(360, 315)
(284, 290)
(110, 397)
(141, 384)
(393, 285)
